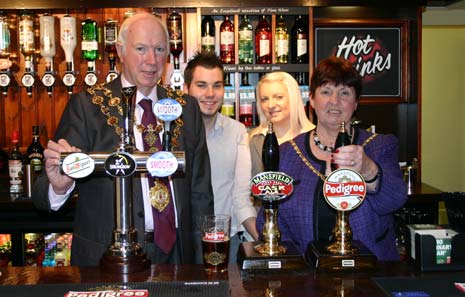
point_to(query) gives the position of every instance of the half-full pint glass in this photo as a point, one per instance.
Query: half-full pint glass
(215, 230)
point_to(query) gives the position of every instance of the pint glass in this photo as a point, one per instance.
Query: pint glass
(215, 230)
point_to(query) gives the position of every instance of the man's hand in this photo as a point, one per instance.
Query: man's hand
(60, 182)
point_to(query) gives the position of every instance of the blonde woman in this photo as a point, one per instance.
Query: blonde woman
(279, 101)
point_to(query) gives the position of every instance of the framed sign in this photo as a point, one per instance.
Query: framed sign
(376, 48)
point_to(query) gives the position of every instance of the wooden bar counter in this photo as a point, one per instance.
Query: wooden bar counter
(307, 283)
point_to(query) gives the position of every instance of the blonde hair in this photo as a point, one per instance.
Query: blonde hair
(298, 120)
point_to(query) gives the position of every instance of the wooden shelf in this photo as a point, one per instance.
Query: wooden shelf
(83, 4)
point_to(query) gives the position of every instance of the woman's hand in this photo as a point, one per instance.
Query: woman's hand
(354, 157)
(60, 182)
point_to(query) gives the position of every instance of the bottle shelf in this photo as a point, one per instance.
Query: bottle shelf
(263, 23)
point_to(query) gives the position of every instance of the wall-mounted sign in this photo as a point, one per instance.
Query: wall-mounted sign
(376, 49)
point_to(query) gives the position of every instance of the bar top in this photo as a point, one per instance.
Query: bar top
(309, 283)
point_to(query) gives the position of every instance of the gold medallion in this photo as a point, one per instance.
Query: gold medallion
(159, 196)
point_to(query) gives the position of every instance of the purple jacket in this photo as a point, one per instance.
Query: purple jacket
(372, 222)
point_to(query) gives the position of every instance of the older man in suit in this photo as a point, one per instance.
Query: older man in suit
(91, 122)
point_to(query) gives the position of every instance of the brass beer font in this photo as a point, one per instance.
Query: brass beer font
(342, 234)
(271, 233)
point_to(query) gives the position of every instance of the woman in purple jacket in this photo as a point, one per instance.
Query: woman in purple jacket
(305, 216)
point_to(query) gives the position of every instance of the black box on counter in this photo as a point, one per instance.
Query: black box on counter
(434, 247)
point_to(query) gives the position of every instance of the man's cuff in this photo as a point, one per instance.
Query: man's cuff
(57, 200)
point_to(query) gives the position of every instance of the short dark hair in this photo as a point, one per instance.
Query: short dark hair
(338, 71)
(208, 60)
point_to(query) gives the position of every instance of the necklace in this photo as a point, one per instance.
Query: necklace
(104, 98)
(320, 145)
(306, 162)
(310, 166)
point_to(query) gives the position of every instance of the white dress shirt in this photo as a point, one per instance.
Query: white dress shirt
(230, 162)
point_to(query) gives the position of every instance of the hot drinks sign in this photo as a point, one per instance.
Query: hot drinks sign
(375, 51)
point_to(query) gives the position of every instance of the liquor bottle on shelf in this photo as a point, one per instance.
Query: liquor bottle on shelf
(176, 47)
(270, 150)
(15, 167)
(110, 33)
(227, 79)
(5, 62)
(227, 54)
(282, 41)
(68, 41)
(35, 152)
(208, 34)
(299, 39)
(49, 253)
(342, 139)
(89, 47)
(229, 104)
(27, 46)
(30, 253)
(263, 42)
(246, 98)
(301, 78)
(47, 49)
(60, 259)
(245, 41)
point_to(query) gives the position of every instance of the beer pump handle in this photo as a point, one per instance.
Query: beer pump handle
(99, 159)
(129, 101)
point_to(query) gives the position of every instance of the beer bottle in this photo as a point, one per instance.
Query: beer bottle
(208, 34)
(270, 150)
(342, 139)
(227, 41)
(35, 152)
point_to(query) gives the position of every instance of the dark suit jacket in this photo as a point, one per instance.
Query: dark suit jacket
(85, 126)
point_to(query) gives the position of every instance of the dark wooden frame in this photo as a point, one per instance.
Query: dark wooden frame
(365, 26)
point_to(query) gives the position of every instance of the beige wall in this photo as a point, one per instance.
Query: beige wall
(443, 102)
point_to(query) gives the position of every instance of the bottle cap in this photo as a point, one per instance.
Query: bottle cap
(15, 136)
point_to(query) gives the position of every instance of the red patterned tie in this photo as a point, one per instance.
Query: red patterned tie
(163, 221)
